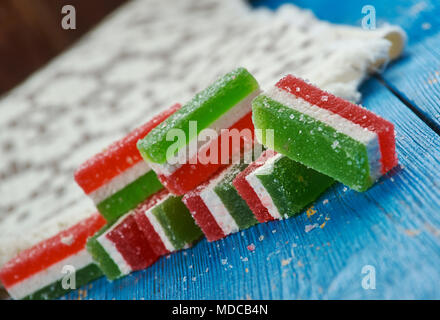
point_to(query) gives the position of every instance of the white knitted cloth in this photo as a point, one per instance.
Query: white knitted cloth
(148, 55)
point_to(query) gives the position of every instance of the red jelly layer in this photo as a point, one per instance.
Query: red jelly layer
(350, 111)
(50, 251)
(132, 244)
(118, 157)
(246, 191)
(144, 223)
(189, 176)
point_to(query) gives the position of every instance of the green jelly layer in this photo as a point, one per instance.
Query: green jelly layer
(129, 197)
(205, 108)
(235, 204)
(312, 143)
(56, 290)
(177, 222)
(292, 186)
(102, 258)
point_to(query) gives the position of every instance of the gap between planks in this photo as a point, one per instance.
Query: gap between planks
(416, 110)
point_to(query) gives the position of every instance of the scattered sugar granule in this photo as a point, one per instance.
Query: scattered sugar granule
(324, 98)
(310, 227)
(426, 26)
(261, 238)
(325, 201)
(224, 261)
(310, 211)
(274, 230)
(412, 232)
(68, 240)
(335, 144)
(285, 262)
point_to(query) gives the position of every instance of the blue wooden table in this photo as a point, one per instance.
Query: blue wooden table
(337, 248)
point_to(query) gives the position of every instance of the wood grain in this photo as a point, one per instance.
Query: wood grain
(416, 77)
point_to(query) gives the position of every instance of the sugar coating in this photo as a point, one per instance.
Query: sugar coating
(226, 121)
(316, 144)
(350, 111)
(206, 107)
(242, 135)
(340, 124)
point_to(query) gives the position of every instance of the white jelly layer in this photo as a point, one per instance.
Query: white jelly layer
(119, 182)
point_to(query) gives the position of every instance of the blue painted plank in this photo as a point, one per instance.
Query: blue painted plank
(394, 227)
(420, 19)
(416, 77)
